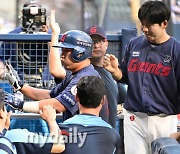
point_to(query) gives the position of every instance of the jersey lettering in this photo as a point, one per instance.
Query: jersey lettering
(157, 69)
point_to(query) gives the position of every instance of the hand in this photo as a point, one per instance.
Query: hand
(13, 101)
(110, 63)
(53, 24)
(48, 113)
(12, 76)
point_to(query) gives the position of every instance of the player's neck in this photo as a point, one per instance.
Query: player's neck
(82, 65)
(164, 38)
(161, 39)
(93, 111)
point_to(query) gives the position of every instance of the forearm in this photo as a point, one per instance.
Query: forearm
(35, 106)
(54, 128)
(55, 65)
(35, 93)
(117, 74)
(56, 132)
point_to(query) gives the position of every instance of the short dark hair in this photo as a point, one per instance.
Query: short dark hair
(1, 99)
(154, 12)
(90, 90)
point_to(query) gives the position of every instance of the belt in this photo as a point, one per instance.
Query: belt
(157, 114)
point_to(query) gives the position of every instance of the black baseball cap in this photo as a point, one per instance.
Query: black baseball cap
(96, 30)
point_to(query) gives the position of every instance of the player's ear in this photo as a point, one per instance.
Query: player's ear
(77, 98)
(164, 24)
(106, 43)
(103, 100)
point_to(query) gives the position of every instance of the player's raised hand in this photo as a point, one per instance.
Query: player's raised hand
(12, 76)
(110, 63)
(53, 24)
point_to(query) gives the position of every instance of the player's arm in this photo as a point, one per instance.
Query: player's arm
(55, 65)
(54, 103)
(110, 63)
(35, 93)
(32, 106)
(48, 113)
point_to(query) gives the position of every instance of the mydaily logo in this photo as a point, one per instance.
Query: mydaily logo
(72, 136)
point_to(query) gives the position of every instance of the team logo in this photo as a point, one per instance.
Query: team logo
(74, 90)
(63, 38)
(167, 59)
(132, 118)
(93, 30)
(135, 53)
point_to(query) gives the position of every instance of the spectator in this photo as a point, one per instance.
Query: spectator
(151, 64)
(18, 141)
(97, 135)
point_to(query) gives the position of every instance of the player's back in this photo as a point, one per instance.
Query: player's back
(90, 140)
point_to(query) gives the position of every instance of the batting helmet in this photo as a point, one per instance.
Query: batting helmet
(79, 41)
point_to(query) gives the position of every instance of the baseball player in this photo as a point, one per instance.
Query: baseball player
(99, 137)
(151, 68)
(99, 49)
(76, 50)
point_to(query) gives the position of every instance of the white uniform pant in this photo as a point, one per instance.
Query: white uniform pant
(140, 130)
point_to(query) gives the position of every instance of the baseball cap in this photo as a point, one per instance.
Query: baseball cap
(95, 30)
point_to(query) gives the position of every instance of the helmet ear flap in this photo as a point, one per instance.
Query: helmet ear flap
(78, 55)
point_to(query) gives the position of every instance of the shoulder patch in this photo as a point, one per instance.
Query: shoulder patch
(74, 90)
